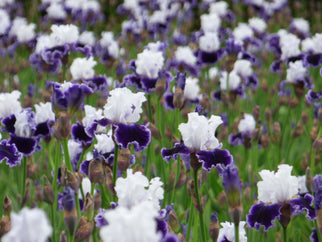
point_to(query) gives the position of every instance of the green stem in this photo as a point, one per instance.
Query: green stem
(190, 221)
(54, 182)
(66, 155)
(116, 151)
(24, 174)
(105, 199)
(202, 225)
(285, 234)
(52, 215)
(236, 233)
(150, 108)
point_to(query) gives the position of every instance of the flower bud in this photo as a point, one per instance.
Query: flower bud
(178, 98)
(62, 126)
(89, 207)
(32, 170)
(7, 205)
(49, 196)
(5, 225)
(256, 113)
(39, 192)
(63, 237)
(214, 227)
(27, 193)
(154, 131)
(265, 141)
(277, 132)
(232, 185)
(160, 87)
(305, 117)
(268, 114)
(124, 159)
(174, 222)
(95, 172)
(84, 231)
(70, 213)
(97, 200)
(320, 116)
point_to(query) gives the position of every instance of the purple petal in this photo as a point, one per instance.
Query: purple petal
(179, 148)
(263, 214)
(69, 198)
(168, 100)
(170, 238)
(24, 145)
(216, 158)
(162, 226)
(79, 134)
(314, 236)
(9, 123)
(136, 134)
(208, 57)
(276, 66)
(97, 84)
(303, 204)
(313, 60)
(317, 191)
(231, 181)
(99, 218)
(10, 153)
(180, 80)
(148, 84)
(84, 166)
(43, 129)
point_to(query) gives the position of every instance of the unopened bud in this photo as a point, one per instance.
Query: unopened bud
(154, 131)
(89, 207)
(174, 222)
(222, 199)
(32, 170)
(247, 194)
(293, 102)
(265, 141)
(317, 145)
(194, 161)
(97, 200)
(178, 98)
(124, 159)
(298, 130)
(62, 126)
(305, 117)
(268, 114)
(95, 172)
(7, 205)
(39, 192)
(256, 112)
(63, 237)
(84, 231)
(214, 227)
(160, 87)
(5, 225)
(49, 196)
(277, 132)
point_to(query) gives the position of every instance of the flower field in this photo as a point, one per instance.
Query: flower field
(161, 120)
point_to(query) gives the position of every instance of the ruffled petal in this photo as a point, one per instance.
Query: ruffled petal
(179, 148)
(215, 158)
(24, 145)
(79, 134)
(303, 204)
(10, 153)
(136, 134)
(263, 214)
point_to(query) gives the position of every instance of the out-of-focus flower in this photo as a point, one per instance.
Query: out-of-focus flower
(136, 224)
(82, 68)
(136, 188)
(29, 225)
(227, 232)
